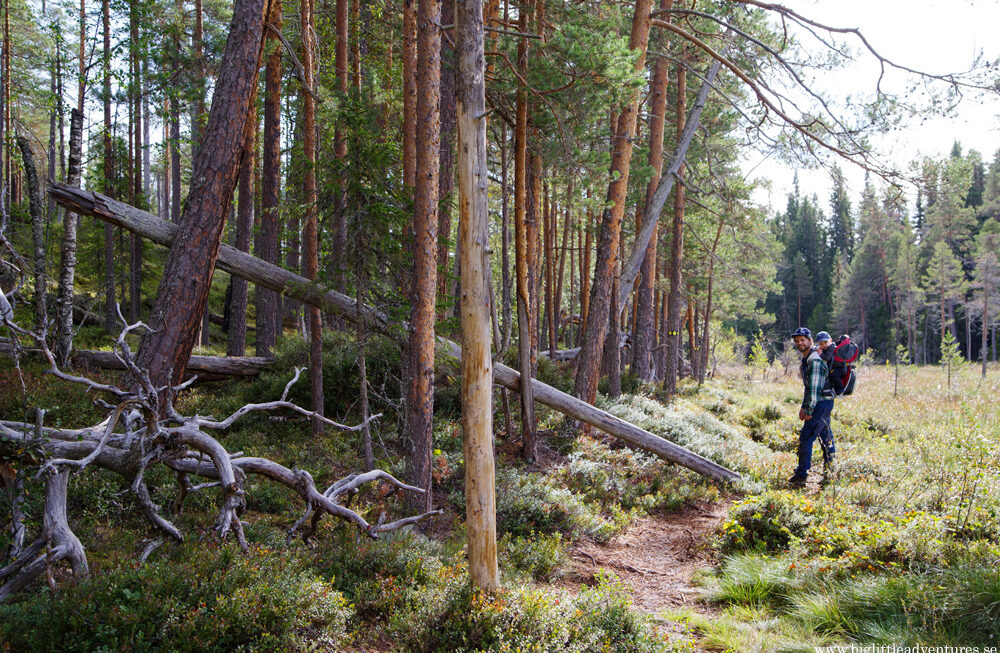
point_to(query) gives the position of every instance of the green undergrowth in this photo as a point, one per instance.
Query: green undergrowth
(900, 547)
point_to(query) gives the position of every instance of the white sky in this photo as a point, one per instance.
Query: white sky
(936, 36)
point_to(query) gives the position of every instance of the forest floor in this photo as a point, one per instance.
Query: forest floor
(601, 547)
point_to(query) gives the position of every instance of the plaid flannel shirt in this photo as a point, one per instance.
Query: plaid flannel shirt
(815, 373)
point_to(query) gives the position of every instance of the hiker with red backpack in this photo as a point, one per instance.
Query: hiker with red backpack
(817, 405)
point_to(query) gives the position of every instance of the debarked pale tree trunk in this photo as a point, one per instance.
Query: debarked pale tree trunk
(475, 298)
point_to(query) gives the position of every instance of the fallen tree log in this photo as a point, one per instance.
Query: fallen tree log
(297, 287)
(203, 366)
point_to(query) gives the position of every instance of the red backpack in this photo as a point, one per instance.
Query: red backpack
(842, 375)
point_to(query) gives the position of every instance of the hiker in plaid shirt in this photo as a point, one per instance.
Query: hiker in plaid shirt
(817, 404)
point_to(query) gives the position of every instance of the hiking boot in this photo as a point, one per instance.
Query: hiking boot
(797, 481)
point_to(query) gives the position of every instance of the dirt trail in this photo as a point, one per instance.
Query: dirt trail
(657, 556)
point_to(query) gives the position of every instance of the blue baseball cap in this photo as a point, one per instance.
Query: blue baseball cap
(802, 331)
(823, 335)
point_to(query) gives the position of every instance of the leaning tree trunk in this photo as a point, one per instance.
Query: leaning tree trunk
(420, 350)
(183, 293)
(477, 373)
(293, 285)
(37, 211)
(596, 328)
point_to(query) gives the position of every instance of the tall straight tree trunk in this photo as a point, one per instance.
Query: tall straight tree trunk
(183, 292)
(446, 155)
(524, 316)
(549, 236)
(420, 358)
(268, 303)
(110, 311)
(342, 66)
(985, 321)
(706, 327)
(477, 372)
(237, 336)
(673, 308)
(585, 268)
(644, 335)
(37, 211)
(596, 328)
(310, 233)
(175, 130)
(566, 244)
(409, 92)
(135, 242)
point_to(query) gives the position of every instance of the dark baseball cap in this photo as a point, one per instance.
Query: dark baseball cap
(802, 331)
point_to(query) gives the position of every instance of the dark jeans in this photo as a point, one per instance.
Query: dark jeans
(817, 426)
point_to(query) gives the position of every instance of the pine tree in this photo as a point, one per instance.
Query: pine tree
(944, 285)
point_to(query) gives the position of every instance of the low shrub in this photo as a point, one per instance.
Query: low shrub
(217, 600)
(766, 523)
(523, 618)
(538, 556)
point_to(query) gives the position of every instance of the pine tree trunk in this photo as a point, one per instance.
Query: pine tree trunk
(521, 265)
(409, 92)
(446, 180)
(420, 357)
(183, 292)
(110, 310)
(643, 335)
(268, 303)
(237, 332)
(596, 328)
(310, 232)
(135, 242)
(673, 308)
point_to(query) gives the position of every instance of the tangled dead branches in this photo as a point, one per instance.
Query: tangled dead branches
(144, 428)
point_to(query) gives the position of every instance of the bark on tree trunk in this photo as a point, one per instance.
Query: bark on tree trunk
(643, 335)
(521, 254)
(596, 328)
(183, 292)
(135, 243)
(420, 358)
(409, 92)
(237, 334)
(310, 232)
(110, 311)
(673, 336)
(446, 180)
(268, 304)
(477, 372)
